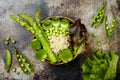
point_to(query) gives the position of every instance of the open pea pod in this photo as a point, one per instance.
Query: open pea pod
(66, 55)
(24, 63)
(99, 16)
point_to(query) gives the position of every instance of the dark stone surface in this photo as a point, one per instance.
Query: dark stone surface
(84, 9)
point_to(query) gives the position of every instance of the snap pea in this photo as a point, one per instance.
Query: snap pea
(109, 30)
(99, 16)
(8, 60)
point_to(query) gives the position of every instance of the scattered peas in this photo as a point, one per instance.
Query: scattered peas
(94, 35)
(6, 42)
(13, 41)
(14, 70)
(99, 42)
(7, 39)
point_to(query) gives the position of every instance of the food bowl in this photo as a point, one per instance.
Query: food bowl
(71, 21)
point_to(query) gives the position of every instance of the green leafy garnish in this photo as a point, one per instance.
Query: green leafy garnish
(103, 66)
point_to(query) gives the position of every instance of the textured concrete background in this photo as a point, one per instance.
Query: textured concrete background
(84, 9)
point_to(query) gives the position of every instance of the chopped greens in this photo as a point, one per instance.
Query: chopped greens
(103, 66)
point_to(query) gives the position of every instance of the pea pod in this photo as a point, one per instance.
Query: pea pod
(109, 30)
(23, 62)
(99, 16)
(8, 60)
(114, 22)
(106, 27)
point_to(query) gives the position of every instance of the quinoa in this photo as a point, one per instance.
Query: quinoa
(58, 43)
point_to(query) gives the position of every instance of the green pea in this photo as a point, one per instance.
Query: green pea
(19, 60)
(13, 70)
(94, 35)
(106, 28)
(6, 42)
(17, 55)
(13, 41)
(22, 65)
(28, 64)
(23, 60)
(25, 70)
(7, 39)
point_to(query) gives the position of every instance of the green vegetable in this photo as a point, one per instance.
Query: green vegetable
(46, 25)
(38, 32)
(55, 21)
(35, 44)
(6, 42)
(66, 55)
(99, 16)
(8, 60)
(94, 35)
(64, 24)
(13, 41)
(80, 49)
(101, 67)
(20, 57)
(109, 30)
(7, 39)
(111, 72)
(41, 55)
(99, 42)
